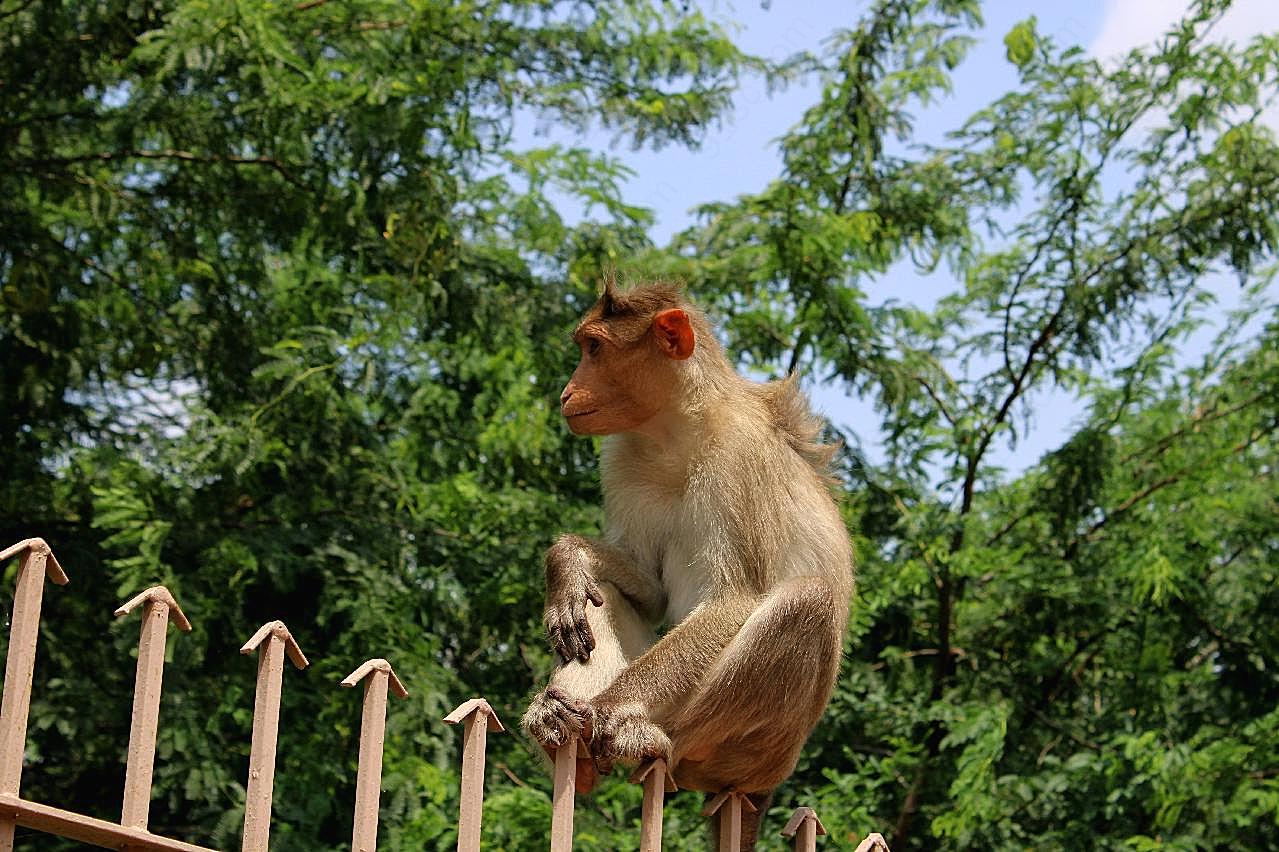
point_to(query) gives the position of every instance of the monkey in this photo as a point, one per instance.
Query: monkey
(720, 523)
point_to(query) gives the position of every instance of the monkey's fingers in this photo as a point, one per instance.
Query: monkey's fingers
(563, 626)
(587, 636)
(553, 634)
(563, 636)
(584, 640)
(555, 717)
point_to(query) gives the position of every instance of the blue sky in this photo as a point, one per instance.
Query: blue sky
(742, 156)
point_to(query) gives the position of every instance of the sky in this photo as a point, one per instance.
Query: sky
(742, 156)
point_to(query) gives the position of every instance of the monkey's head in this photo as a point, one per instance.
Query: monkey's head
(631, 345)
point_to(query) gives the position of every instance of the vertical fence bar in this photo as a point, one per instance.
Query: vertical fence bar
(368, 778)
(38, 562)
(160, 607)
(266, 721)
(804, 826)
(730, 826)
(657, 781)
(562, 798)
(728, 805)
(480, 719)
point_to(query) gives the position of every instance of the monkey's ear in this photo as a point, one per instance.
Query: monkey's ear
(674, 333)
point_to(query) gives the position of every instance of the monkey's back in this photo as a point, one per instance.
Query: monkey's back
(781, 505)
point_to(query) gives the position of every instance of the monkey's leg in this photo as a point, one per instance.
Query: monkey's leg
(561, 711)
(621, 635)
(664, 675)
(745, 724)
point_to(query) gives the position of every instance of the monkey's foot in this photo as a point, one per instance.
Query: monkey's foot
(555, 718)
(625, 733)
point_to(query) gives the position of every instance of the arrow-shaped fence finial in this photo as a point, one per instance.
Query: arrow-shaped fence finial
(38, 563)
(874, 842)
(161, 607)
(804, 826)
(378, 677)
(730, 818)
(480, 719)
(274, 640)
(657, 781)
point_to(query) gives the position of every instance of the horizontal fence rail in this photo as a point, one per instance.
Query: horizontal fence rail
(273, 644)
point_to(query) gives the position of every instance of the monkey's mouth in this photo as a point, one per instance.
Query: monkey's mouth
(569, 416)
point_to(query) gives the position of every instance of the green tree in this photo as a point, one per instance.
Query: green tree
(276, 279)
(1042, 661)
(281, 291)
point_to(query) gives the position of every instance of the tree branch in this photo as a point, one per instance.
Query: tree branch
(162, 154)
(1173, 478)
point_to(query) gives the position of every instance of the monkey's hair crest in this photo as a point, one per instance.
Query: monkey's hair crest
(641, 300)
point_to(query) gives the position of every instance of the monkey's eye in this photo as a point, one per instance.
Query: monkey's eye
(592, 346)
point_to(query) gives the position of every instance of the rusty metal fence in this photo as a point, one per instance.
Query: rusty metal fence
(273, 643)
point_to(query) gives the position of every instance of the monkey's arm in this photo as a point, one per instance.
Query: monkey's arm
(677, 662)
(673, 667)
(574, 568)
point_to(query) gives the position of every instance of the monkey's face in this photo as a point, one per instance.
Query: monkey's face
(619, 386)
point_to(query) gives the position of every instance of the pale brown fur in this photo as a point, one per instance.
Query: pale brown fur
(719, 523)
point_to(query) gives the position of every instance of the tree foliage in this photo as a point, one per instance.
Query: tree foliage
(285, 301)
(277, 281)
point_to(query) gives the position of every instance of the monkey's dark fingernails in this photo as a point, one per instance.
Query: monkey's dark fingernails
(565, 645)
(593, 594)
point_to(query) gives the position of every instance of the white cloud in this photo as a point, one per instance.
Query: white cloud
(1133, 23)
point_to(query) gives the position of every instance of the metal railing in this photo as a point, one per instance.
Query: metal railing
(273, 643)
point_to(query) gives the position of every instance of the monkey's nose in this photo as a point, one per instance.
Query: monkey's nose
(566, 396)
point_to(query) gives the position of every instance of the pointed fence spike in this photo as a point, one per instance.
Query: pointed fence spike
(657, 781)
(157, 593)
(278, 630)
(480, 719)
(53, 570)
(804, 826)
(38, 564)
(466, 708)
(378, 676)
(874, 842)
(729, 804)
(273, 641)
(160, 607)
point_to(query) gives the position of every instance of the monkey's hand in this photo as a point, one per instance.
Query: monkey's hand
(623, 732)
(555, 718)
(569, 586)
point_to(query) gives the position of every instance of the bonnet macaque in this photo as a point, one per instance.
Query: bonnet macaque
(720, 526)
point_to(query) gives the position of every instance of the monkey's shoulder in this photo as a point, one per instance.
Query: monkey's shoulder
(753, 443)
